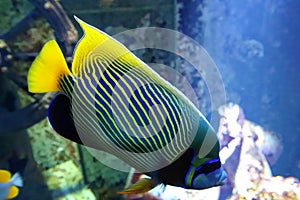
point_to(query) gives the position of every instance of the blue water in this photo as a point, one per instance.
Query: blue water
(263, 79)
(275, 75)
(255, 45)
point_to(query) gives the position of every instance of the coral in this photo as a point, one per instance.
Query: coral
(99, 173)
(84, 194)
(50, 149)
(245, 148)
(63, 175)
(66, 180)
(254, 149)
(251, 48)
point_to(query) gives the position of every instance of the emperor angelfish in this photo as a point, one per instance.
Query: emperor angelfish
(114, 102)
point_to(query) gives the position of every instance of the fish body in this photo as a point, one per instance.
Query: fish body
(8, 185)
(112, 101)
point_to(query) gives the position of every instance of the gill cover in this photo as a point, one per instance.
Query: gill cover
(204, 173)
(215, 178)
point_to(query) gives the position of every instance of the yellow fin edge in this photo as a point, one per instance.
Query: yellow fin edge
(92, 37)
(142, 186)
(5, 176)
(97, 42)
(13, 192)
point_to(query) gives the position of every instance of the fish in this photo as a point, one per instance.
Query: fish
(9, 184)
(112, 101)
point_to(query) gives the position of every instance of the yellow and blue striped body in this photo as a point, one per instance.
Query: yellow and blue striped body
(127, 107)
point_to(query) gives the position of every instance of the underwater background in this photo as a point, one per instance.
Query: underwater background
(253, 43)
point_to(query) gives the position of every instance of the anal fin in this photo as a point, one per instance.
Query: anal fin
(142, 186)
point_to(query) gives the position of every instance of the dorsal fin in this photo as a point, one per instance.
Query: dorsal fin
(104, 46)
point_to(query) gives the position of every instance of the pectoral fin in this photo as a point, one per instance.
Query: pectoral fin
(60, 117)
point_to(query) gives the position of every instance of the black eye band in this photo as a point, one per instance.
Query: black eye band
(208, 167)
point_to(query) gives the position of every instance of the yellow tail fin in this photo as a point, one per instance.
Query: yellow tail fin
(46, 69)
